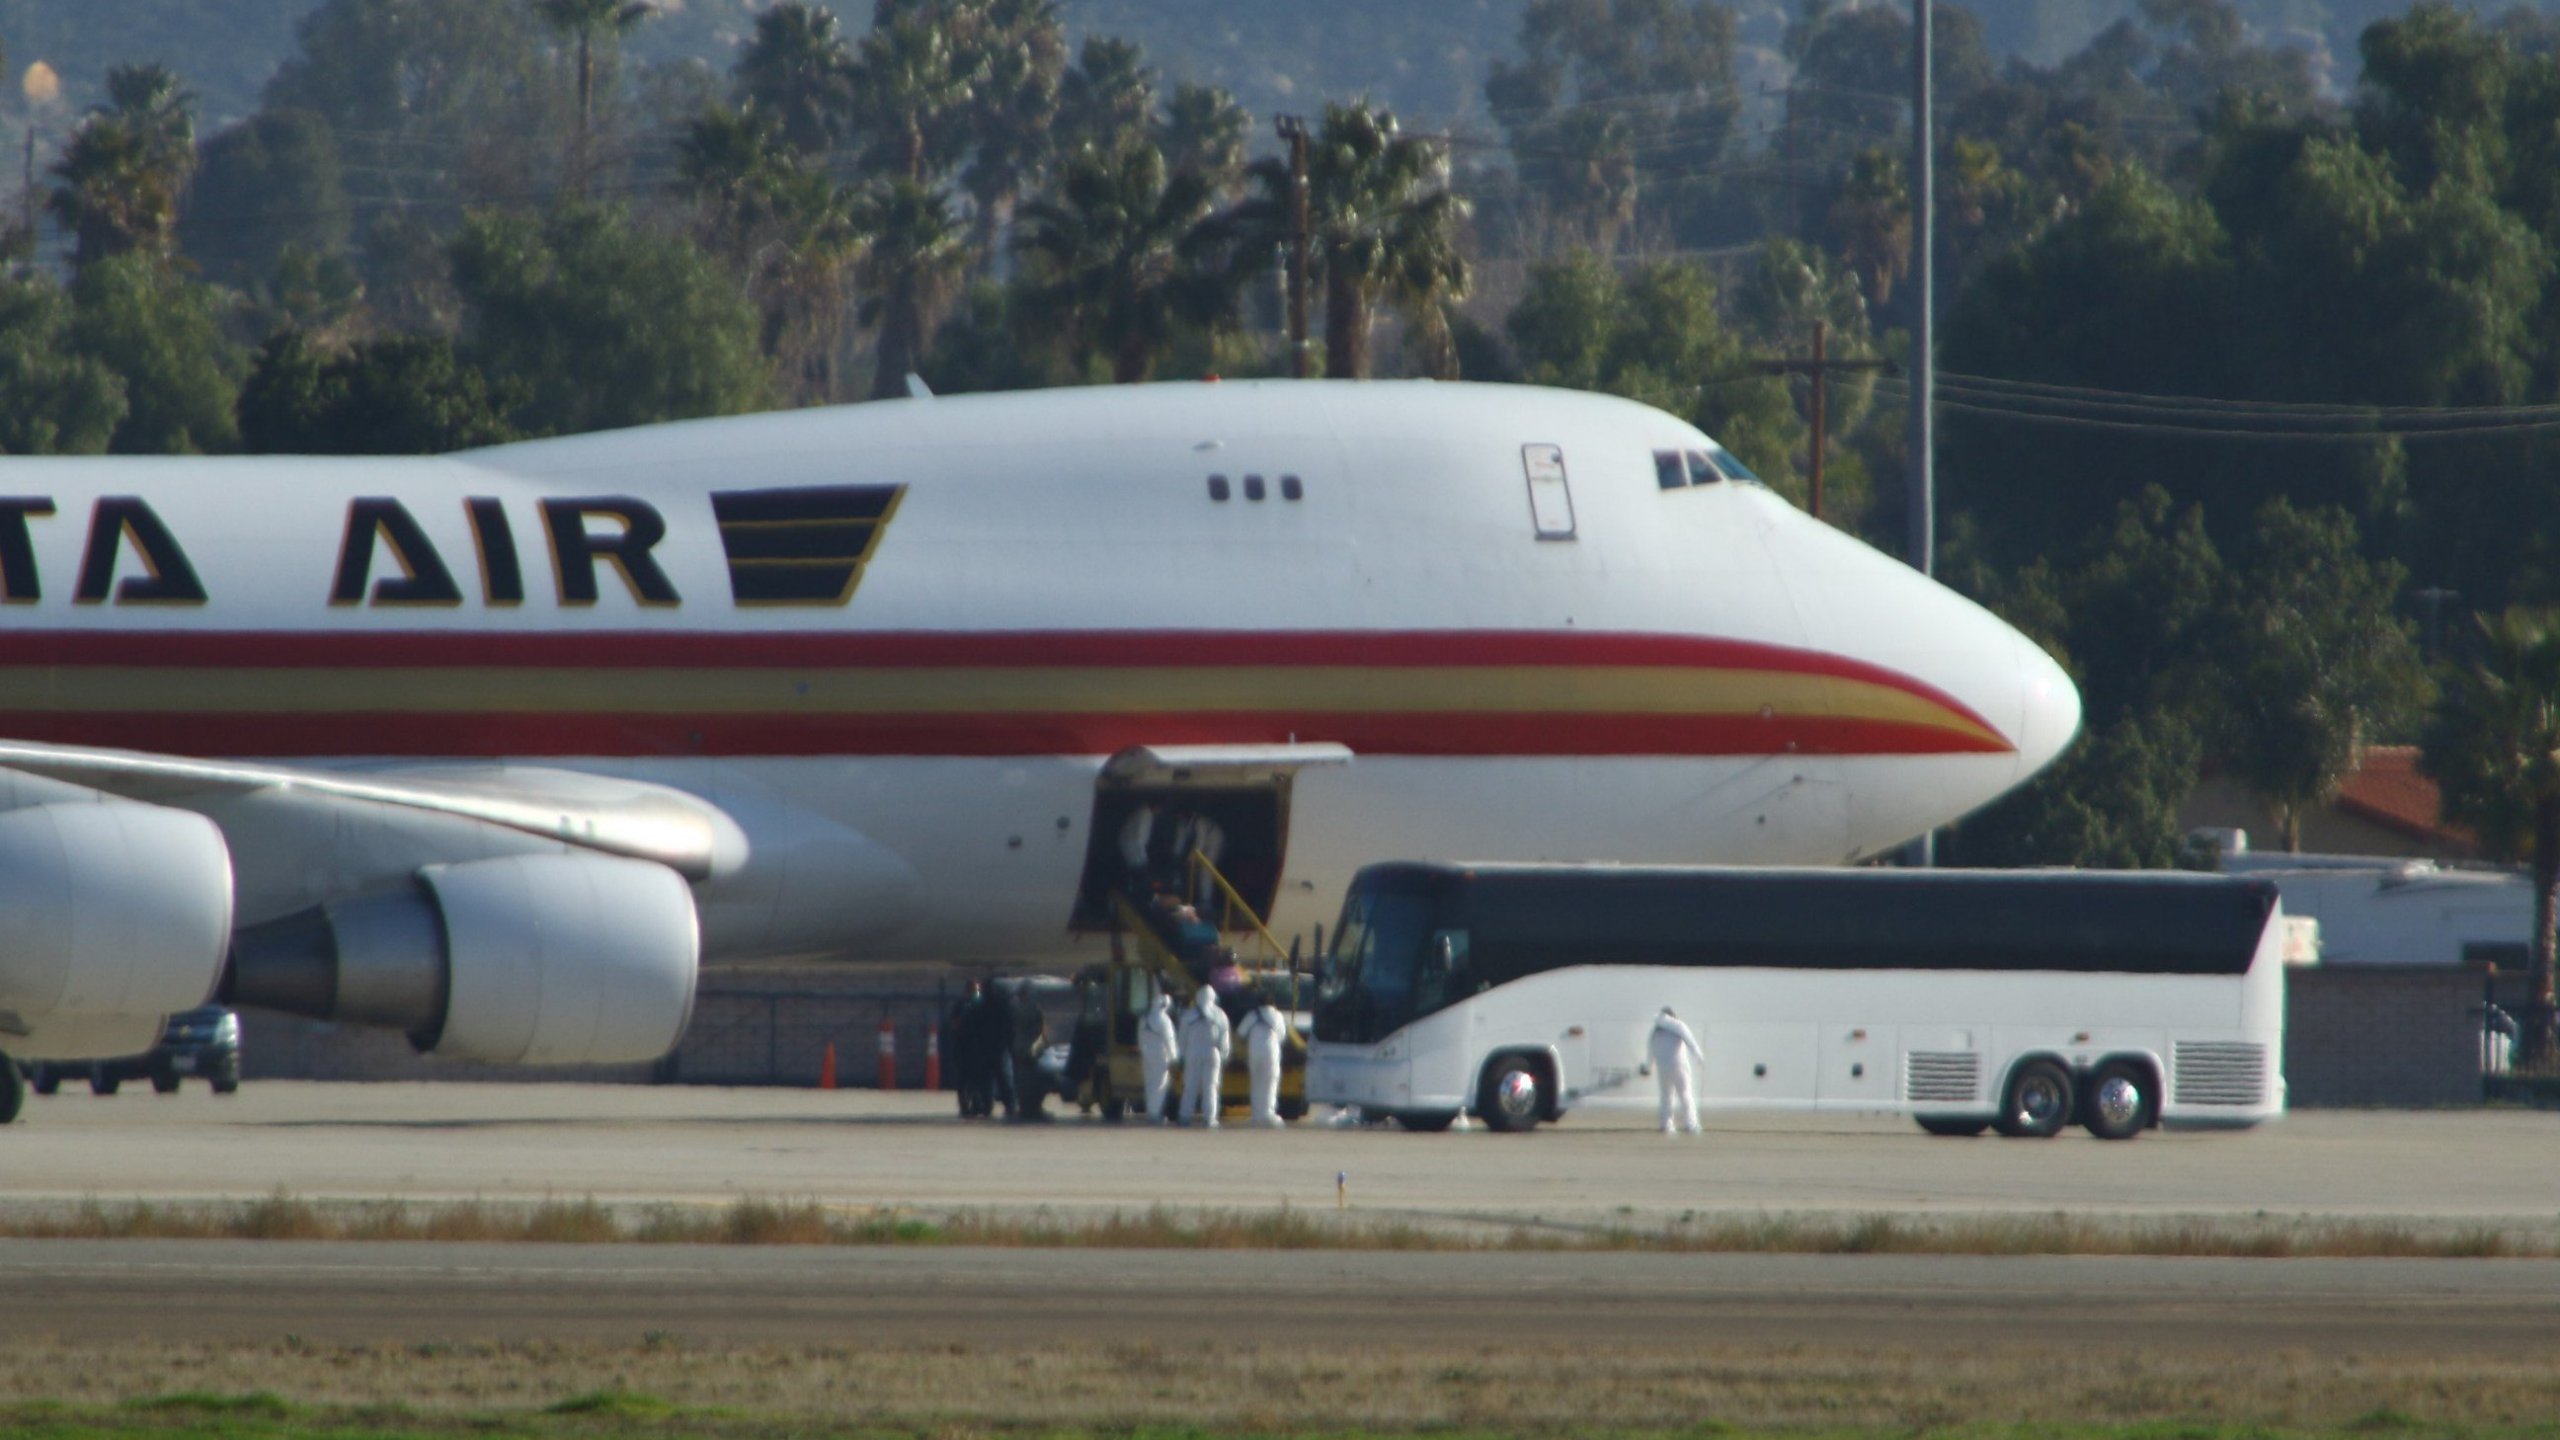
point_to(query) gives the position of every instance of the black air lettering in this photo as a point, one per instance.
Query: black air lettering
(117, 520)
(424, 579)
(575, 549)
(501, 579)
(18, 581)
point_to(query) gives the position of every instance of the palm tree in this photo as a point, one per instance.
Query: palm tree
(910, 84)
(1382, 225)
(912, 260)
(126, 166)
(1204, 129)
(587, 19)
(798, 70)
(1594, 175)
(2493, 746)
(785, 227)
(1019, 50)
(1124, 256)
(1873, 215)
(1108, 96)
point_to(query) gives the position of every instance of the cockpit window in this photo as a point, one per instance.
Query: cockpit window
(1734, 469)
(1668, 469)
(1702, 471)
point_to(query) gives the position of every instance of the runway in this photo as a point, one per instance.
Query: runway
(357, 1293)
(862, 1148)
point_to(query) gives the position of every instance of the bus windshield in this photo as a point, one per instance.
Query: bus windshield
(1367, 986)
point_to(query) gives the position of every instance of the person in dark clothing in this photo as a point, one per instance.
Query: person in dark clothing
(998, 1042)
(972, 1056)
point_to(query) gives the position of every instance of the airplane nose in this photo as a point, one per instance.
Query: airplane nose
(2050, 709)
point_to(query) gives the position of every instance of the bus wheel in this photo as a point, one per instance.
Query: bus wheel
(1427, 1122)
(2119, 1103)
(1953, 1125)
(1514, 1098)
(2039, 1102)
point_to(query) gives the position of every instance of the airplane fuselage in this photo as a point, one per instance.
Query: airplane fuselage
(897, 644)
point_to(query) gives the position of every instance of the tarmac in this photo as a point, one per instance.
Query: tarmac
(863, 1150)
(692, 1145)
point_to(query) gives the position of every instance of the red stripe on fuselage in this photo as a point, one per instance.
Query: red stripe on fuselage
(1463, 734)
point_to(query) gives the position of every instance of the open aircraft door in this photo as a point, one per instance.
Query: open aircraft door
(1150, 800)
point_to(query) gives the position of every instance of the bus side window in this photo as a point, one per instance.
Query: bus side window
(1445, 972)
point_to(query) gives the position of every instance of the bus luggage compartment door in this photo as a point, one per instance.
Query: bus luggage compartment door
(1857, 1067)
(1759, 1062)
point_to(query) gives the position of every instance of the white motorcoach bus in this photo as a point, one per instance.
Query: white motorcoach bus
(1970, 1000)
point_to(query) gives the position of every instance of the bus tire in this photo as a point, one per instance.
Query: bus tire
(2120, 1102)
(1427, 1122)
(1513, 1098)
(1952, 1125)
(2039, 1103)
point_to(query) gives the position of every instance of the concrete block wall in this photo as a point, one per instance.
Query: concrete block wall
(2383, 1035)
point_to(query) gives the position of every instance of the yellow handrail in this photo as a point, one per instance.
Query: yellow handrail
(1233, 904)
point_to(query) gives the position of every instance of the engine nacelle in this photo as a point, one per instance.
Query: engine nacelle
(527, 959)
(110, 911)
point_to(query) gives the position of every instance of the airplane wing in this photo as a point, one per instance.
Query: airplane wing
(608, 815)
(505, 913)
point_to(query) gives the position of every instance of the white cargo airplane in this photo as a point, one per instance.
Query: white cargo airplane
(540, 728)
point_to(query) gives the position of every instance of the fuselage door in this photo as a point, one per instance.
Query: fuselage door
(1550, 494)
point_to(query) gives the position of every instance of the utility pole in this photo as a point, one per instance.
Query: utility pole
(1924, 359)
(1819, 367)
(1293, 129)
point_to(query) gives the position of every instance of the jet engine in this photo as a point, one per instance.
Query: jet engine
(528, 959)
(112, 915)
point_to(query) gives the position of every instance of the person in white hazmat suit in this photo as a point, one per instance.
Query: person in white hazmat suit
(1263, 1032)
(1672, 1046)
(1157, 1043)
(1205, 1042)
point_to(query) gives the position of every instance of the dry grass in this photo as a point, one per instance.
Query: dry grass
(663, 1385)
(761, 1221)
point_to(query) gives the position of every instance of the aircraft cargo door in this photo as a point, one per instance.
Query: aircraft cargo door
(1155, 804)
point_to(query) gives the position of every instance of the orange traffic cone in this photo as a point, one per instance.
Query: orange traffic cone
(888, 1054)
(932, 1059)
(827, 1068)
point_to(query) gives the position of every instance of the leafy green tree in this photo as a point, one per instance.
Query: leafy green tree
(786, 228)
(1872, 216)
(161, 334)
(126, 166)
(2132, 609)
(2493, 747)
(1124, 256)
(53, 401)
(1383, 225)
(2313, 662)
(913, 258)
(1609, 92)
(586, 22)
(603, 323)
(1656, 335)
(798, 72)
(403, 395)
(270, 183)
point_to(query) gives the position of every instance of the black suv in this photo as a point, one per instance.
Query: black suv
(203, 1042)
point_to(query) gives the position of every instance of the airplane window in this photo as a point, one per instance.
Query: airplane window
(1735, 469)
(1253, 487)
(1702, 471)
(1668, 471)
(1217, 487)
(1290, 489)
